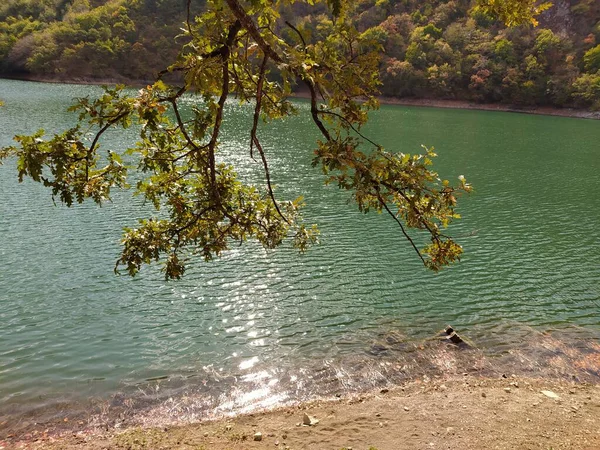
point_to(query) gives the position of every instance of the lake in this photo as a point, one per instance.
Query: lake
(260, 328)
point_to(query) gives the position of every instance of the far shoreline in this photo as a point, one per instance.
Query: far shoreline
(384, 100)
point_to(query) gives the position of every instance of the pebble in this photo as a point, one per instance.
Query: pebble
(506, 389)
(483, 394)
(258, 436)
(406, 408)
(228, 428)
(550, 394)
(309, 421)
(206, 434)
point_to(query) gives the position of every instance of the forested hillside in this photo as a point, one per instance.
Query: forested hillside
(89, 39)
(431, 48)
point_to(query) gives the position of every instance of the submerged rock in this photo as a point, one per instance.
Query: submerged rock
(390, 341)
(378, 349)
(451, 336)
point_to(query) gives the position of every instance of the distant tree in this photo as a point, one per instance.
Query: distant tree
(401, 79)
(586, 90)
(591, 59)
(513, 12)
(505, 51)
(238, 48)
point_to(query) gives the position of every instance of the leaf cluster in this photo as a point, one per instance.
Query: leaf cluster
(238, 49)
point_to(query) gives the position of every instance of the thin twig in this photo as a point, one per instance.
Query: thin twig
(257, 108)
(384, 204)
(315, 111)
(252, 29)
(189, 4)
(339, 116)
(198, 149)
(254, 142)
(108, 124)
(268, 177)
(298, 33)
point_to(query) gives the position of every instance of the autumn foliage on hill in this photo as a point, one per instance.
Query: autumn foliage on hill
(430, 49)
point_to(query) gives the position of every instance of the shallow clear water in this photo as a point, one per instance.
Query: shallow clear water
(70, 330)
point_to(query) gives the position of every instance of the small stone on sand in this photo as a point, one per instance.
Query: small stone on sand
(309, 421)
(550, 394)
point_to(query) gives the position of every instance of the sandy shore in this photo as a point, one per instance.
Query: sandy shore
(460, 412)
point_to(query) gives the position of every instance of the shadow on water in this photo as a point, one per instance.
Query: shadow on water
(388, 359)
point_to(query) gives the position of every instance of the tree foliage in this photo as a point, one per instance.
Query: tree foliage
(248, 51)
(70, 39)
(513, 12)
(592, 59)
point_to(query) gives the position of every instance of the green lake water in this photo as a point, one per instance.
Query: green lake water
(258, 328)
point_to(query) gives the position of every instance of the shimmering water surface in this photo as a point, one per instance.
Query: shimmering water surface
(255, 327)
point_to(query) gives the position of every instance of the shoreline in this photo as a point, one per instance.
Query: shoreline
(80, 81)
(467, 412)
(405, 101)
(438, 386)
(500, 107)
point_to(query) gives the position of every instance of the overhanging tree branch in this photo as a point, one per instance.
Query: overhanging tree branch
(229, 53)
